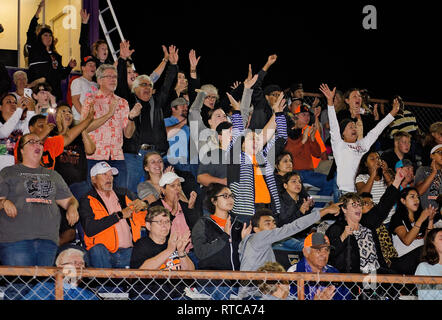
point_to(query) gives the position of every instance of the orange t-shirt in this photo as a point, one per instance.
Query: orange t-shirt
(219, 221)
(262, 194)
(52, 148)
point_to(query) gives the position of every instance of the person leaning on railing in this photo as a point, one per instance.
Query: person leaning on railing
(273, 289)
(71, 259)
(316, 252)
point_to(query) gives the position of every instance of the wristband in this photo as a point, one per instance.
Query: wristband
(183, 256)
(120, 215)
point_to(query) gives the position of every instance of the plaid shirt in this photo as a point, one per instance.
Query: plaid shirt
(109, 137)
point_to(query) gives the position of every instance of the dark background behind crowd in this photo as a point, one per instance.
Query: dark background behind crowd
(315, 42)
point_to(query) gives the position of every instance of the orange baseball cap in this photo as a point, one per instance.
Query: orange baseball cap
(316, 240)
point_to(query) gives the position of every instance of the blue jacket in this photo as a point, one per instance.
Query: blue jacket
(46, 291)
(341, 293)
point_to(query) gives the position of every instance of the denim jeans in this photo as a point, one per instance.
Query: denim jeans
(120, 180)
(37, 252)
(318, 180)
(79, 189)
(217, 289)
(289, 244)
(100, 257)
(135, 170)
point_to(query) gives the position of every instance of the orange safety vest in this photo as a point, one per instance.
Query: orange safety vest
(109, 237)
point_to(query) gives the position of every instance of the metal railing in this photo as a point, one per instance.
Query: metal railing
(45, 283)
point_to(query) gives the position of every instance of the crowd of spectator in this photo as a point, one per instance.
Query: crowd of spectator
(185, 177)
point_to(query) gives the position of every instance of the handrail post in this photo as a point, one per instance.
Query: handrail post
(59, 278)
(301, 289)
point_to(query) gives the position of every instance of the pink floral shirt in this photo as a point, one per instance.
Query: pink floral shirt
(109, 137)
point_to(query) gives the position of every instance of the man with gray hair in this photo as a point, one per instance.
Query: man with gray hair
(150, 132)
(112, 122)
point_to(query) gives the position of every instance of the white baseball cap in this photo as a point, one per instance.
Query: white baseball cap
(435, 148)
(102, 167)
(168, 178)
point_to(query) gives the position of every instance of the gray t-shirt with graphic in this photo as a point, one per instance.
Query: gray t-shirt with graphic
(34, 192)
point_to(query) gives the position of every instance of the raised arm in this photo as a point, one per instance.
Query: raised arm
(423, 185)
(246, 98)
(75, 131)
(375, 218)
(272, 126)
(84, 34)
(9, 126)
(195, 109)
(407, 237)
(171, 74)
(123, 89)
(258, 99)
(31, 36)
(156, 74)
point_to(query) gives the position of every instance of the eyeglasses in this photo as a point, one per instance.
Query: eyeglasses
(226, 196)
(367, 203)
(145, 84)
(161, 223)
(356, 204)
(211, 97)
(34, 142)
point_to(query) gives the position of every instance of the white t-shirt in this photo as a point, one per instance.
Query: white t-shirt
(429, 291)
(377, 192)
(348, 155)
(401, 248)
(81, 86)
(10, 131)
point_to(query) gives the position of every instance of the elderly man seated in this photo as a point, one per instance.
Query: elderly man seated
(316, 252)
(111, 218)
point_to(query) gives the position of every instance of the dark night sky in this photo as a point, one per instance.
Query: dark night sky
(315, 42)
